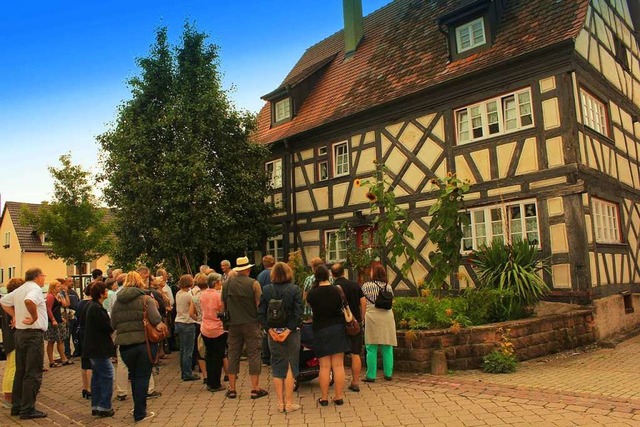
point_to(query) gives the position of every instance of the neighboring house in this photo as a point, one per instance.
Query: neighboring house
(23, 248)
(535, 102)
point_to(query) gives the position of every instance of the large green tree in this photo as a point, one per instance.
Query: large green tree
(73, 222)
(182, 175)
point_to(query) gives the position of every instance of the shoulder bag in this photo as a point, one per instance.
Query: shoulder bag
(352, 326)
(151, 333)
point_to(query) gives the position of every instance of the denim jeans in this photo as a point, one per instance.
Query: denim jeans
(215, 357)
(187, 332)
(137, 360)
(101, 383)
(29, 360)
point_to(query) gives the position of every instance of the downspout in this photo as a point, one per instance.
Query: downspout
(294, 208)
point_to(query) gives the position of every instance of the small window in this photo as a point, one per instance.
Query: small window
(340, 159)
(275, 248)
(336, 245)
(322, 151)
(7, 239)
(282, 109)
(45, 239)
(323, 170)
(84, 268)
(274, 172)
(12, 272)
(1, 275)
(512, 221)
(606, 221)
(593, 112)
(470, 35)
(496, 116)
(620, 52)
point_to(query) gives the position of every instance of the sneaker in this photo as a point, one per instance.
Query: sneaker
(7, 404)
(148, 417)
(154, 394)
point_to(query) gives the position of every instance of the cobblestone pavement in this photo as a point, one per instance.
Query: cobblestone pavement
(590, 389)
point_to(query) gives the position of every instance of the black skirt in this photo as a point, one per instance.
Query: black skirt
(330, 340)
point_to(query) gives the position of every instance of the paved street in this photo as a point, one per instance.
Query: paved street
(597, 388)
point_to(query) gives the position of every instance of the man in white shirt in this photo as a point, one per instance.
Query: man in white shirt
(28, 308)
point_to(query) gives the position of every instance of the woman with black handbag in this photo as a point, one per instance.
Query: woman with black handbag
(380, 325)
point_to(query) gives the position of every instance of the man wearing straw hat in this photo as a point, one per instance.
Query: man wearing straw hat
(241, 295)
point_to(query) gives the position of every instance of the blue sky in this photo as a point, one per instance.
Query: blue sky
(64, 64)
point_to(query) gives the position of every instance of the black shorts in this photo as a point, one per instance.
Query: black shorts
(356, 344)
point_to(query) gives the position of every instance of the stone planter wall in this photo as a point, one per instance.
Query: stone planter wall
(531, 338)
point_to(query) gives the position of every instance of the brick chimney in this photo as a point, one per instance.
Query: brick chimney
(353, 26)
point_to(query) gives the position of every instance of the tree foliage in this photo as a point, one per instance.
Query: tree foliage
(181, 173)
(73, 223)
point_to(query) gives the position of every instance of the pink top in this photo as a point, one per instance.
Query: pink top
(211, 304)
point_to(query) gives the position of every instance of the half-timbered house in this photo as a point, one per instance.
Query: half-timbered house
(535, 102)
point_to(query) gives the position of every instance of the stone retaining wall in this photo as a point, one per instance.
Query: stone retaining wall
(531, 338)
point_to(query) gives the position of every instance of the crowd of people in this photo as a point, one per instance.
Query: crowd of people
(215, 317)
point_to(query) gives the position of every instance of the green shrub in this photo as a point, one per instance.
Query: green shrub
(498, 363)
(502, 360)
(513, 268)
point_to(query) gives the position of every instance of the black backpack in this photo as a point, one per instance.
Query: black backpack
(384, 300)
(277, 316)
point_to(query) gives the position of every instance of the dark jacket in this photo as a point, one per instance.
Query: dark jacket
(353, 293)
(97, 335)
(239, 295)
(7, 332)
(126, 315)
(291, 298)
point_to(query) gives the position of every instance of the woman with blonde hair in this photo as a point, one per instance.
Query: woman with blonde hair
(127, 319)
(57, 331)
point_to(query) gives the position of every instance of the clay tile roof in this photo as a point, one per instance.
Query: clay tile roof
(403, 53)
(27, 237)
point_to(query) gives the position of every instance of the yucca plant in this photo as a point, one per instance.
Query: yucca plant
(512, 267)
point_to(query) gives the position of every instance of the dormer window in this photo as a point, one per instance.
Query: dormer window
(470, 35)
(282, 110)
(44, 239)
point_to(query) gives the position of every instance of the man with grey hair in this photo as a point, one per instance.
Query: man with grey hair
(28, 308)
(225, 266)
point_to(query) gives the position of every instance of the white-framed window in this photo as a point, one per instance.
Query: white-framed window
(606, 221)
(496, 116)
(282, 109)
(322, 151)
(336, 245)
(7, 239)
(323, 170)
(274, 171)
(340, 159)
(470, 35)
(275, 248)
(12, 272)
(593, 112)
(511, 221)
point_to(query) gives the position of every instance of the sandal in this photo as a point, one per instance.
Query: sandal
(355, 388)
(67, 362)
(54, 365)
(257, 394)
(232, 394)
(280, 407)
(338, 402)
(323, 402)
